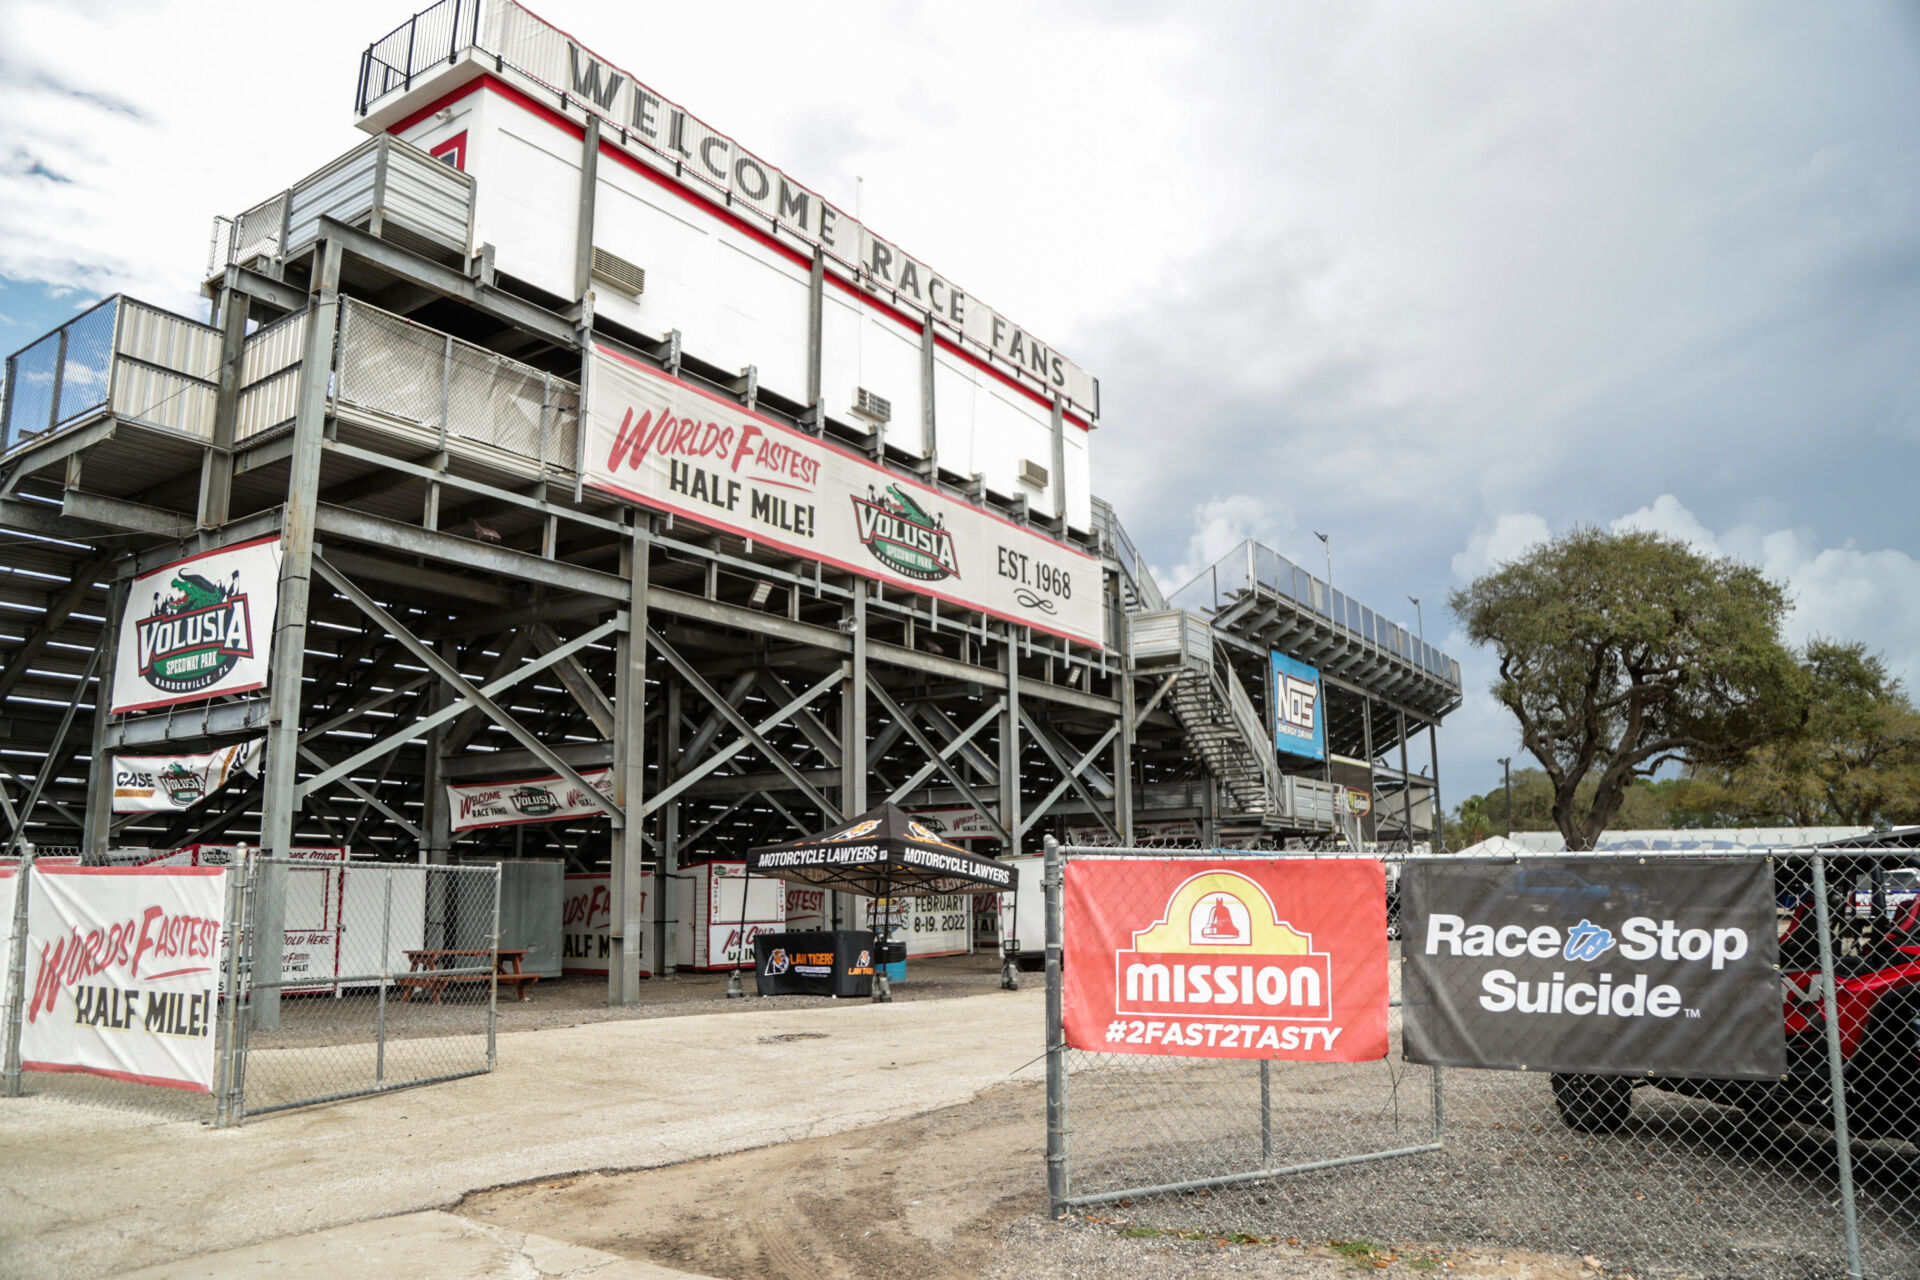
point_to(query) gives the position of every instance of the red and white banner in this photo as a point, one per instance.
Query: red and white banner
(586, 923)
(671, 446)
(1234, 959)
(167, 784)
(198, 627)
(507, 804)
(719, 941)
(123, 973)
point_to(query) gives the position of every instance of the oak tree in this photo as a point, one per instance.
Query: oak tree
(1623, 653)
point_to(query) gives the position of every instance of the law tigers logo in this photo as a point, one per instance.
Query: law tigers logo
(904, 536)
(193, 638)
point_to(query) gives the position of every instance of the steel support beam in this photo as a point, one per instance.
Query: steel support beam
(280, 765)
(627, 930)
(946, 768)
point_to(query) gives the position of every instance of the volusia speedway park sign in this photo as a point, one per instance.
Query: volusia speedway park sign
(667, 445)
(1237, 959)
(198, 628)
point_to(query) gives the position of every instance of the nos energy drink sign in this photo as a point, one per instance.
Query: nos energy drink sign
(1600, 966)
(1297, 727)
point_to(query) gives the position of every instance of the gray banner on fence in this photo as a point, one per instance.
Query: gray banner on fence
(1601, 966)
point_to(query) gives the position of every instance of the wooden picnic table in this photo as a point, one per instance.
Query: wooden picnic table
(427, 966)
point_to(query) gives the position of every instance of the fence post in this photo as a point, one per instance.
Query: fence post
(1836, 1070)
(493, 983)
(17, 970)
(1266, 1114)
(386, 963)
(1053, 878)
(225, 1110)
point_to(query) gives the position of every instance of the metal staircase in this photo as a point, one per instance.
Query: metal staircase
(1226, 731)
(1142, 593)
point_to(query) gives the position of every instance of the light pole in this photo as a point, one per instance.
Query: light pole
(1419, 618)
(1326, 540)
(1506, 768)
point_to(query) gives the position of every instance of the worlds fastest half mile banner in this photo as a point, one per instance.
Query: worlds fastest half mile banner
(667, 445)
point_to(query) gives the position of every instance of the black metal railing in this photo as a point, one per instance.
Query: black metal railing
(430, 37)
(59, 377)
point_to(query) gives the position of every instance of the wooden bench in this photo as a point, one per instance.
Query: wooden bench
(427, 963)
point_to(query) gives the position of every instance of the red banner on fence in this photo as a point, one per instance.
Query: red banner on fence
(1230, 959)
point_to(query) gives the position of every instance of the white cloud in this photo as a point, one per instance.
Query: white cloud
(1846, 592)
(1511, 537)
(1221, 524)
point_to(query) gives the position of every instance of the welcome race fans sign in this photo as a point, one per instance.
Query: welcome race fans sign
(122, 973)
(1601, 966)
(198, 628)
(1236, 959)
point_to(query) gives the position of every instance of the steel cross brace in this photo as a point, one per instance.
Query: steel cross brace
(955, 746)
(466, 692)
(1070, 774)
(735, 747)
(739, 722)
(925, 744)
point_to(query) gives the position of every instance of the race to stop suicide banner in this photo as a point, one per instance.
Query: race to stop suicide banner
(122, 973)
(1233, 959)
(1601, 966)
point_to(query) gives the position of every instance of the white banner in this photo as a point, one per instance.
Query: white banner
(957, 824)
(707, 160)
(508, 804)
(586, 923)
(658, 441)
(166, 784)
(122, 973)
(198, 628)
(720, 889)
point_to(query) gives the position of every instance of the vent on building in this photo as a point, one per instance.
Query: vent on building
(870, 406)
(1033, 473)
(618, 272)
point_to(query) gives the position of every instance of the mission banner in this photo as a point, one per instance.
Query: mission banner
(123, 972)
(1236, 959)
(1598, 966)
(198, 628)
(660, 442)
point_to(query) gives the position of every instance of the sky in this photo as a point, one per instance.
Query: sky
(1438, 281)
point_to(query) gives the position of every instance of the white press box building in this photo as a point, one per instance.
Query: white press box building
(556, 477)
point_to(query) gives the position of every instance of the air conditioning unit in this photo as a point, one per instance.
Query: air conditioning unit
(872, 407)
(617, 271)
(1033, 473)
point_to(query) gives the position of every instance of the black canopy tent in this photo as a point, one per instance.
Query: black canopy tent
(883, 854)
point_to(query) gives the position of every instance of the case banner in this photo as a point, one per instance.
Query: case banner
(168, 784)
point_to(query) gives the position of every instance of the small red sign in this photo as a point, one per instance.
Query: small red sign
(1230, 959)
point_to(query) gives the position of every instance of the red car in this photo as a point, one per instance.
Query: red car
(1876, 951)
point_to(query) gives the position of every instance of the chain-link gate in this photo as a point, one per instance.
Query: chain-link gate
(1706, 1177)
(353, 978)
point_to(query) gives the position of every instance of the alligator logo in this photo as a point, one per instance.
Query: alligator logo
(904, 536)
(184, 787)
(192, 638)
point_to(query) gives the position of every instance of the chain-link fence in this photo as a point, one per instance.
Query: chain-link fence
(354, 978)
(1687, 1174)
